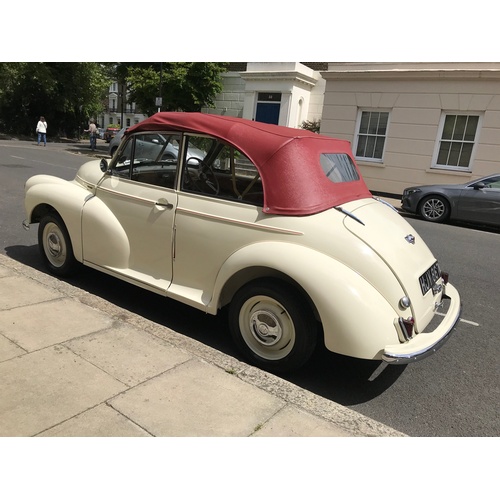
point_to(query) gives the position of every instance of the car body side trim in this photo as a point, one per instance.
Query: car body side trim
(229, 220)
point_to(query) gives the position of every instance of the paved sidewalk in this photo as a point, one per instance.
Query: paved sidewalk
(72, 364)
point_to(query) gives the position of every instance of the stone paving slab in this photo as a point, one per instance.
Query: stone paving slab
(129, 355)
(9, 350)
(294, 422)
(19, 291)
(197, 399)
(101, 421)
(46, 387)
(36, 326)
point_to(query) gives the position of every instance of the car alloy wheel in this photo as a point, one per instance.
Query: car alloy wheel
(434, 209)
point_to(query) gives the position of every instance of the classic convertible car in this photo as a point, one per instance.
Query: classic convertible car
(274, 223)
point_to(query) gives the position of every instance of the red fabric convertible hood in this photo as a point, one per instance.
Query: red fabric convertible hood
(288, 159)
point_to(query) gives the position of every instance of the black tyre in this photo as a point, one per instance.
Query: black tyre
(272, 326)
(434, 208)
(55, 246)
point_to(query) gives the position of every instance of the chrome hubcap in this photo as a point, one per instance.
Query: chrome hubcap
(265, 328)
(54, 245)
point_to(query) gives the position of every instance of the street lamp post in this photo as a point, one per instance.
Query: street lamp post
(159, 99)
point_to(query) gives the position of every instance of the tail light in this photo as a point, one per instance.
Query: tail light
(406, 326)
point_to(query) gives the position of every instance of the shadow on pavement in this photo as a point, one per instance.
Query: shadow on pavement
(344, 380)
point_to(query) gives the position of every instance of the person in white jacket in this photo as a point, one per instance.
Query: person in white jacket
(41, 130)
(92, 130)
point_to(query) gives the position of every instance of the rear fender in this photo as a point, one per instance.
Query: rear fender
(357, 320)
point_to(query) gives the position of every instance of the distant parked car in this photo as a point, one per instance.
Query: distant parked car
(115, 141)
(477, 201)
(110, 132)
(273, 223)
(150, 145)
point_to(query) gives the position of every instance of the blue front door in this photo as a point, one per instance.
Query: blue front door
(268, 112)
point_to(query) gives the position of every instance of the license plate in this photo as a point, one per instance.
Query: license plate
(430, 277)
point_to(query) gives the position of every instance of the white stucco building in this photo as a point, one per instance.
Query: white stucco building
(284, 93)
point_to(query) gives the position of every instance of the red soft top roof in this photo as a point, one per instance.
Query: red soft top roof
(288, 159)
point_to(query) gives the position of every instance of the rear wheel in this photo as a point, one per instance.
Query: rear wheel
(55, 246)
(272, 326)
(434, 208)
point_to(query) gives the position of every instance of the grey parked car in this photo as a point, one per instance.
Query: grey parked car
(477, 201)
(115, 141)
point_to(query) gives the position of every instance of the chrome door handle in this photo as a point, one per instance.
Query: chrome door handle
(163, 203)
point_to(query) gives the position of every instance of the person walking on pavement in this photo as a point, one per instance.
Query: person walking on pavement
(41, 130)
(92, 130)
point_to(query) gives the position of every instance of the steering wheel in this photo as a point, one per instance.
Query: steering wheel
(202, 178)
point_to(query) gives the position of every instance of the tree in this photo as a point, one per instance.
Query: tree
(185, 86)
(67, 94)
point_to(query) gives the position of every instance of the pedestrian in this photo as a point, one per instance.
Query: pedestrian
(41, 130)
(92, 130)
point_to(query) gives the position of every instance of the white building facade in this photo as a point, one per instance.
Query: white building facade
(118, 111)
(416, 123)
(273, 92)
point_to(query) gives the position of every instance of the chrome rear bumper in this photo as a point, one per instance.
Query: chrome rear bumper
(427, 343)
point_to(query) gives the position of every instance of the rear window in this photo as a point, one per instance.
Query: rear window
(339, 167)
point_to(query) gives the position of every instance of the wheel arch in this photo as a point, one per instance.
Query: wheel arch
(340, 298)
(262, 273)
(44, 196)
(44, 209)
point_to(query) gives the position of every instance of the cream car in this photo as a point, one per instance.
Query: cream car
(273, 223)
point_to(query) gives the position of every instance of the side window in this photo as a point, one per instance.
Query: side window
(150, 158)
(121, 167)
(371, 135)
(338, 167)
(492, 182)
(456, 142)
(216, 169)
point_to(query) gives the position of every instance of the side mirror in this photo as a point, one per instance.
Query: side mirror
(104, 165)
(479, 185)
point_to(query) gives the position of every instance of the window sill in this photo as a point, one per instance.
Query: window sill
(448, 171)
(370, 163)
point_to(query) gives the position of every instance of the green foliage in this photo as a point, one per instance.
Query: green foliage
(66, 94)
(185, 86)
(69, 94)
(313, 125)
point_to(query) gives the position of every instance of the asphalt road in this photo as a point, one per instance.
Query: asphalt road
(456, 392)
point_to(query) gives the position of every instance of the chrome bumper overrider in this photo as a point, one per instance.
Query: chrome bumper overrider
(426, 343)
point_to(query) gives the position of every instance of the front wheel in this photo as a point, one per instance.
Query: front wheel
(272, 326)
(55, 246)
(434, 209)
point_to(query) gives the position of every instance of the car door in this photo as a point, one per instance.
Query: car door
(128, 224)
(218, 212)
(481, 204)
